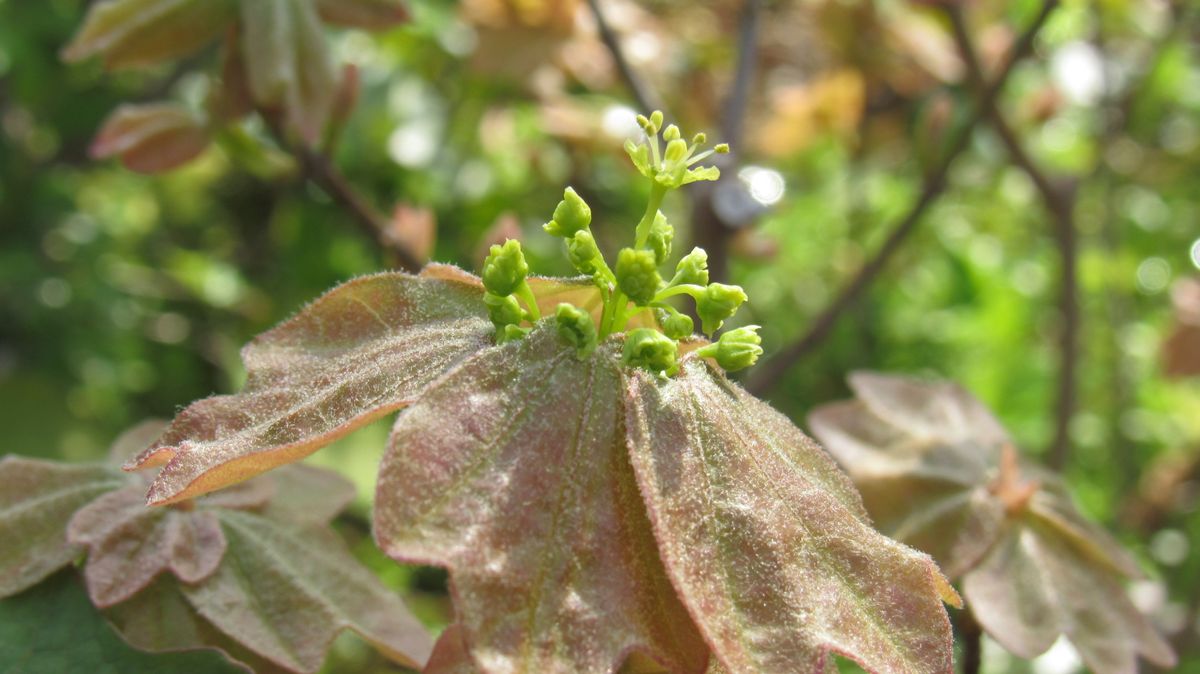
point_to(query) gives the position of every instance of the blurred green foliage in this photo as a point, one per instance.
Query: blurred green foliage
(125, 297)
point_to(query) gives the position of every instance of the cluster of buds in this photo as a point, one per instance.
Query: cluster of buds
(634, 284)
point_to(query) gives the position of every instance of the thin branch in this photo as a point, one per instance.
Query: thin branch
(1059, 200)
(972, 639)
(646, 100)
(734, 119)
(770, 372)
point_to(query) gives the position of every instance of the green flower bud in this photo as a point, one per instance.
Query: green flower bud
(637, 275)
(651, 350)
(505, 268)
(576, 328)
(699, 139)
(677, 151)
(503, 310)
(718, 303)
(736, 349)
(674, 324)
(584, 253)
(659, 240)
(511, 333)
(692, 269)
(570, 216)
(656, 120)
(671, 133)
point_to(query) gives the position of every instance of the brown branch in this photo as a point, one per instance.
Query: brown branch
(769, 373)
(647, 102)
(972, 638)
(1059, 200)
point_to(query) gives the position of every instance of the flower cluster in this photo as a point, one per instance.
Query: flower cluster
(634, 284)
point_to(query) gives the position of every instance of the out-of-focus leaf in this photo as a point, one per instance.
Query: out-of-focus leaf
(53, 629)
(414, 229)
(450, 654)
(151, 138)
(288, 62)
(286, 592)
(142, 32)
(305, 495)
(768, 543)
(365, 14)
(364, 349)
(129, 544)
(1181, 351)
(37, 499)
(938, 472)
(512, 473)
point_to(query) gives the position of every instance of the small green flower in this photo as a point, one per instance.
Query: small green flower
(637, 275)
(511, 333)
(692, 269)
(651, 350)
(503, 310)
(576, 328)
(570, 216)
(505, 268)
(660, 238)
(736, 349)
(717, 303)
(674, 324)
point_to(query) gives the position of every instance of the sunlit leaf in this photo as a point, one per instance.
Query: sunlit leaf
(768, 543)
(939, 473)
(450, 654)
(512, 473)
(286, 592)
(364, 349)
(288, 62)
(141, 32)
(151, 138)
(37, 499)
(365, 14)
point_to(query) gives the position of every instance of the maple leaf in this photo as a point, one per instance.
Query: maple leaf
(939, 472)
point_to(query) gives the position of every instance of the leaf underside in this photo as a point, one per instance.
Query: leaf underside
(767, 541)
(364, 349)
(512, 473)
(926, 457)
(142, 32)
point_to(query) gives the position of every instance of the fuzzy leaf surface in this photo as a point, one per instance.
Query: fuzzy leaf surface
(937, 471)
(142, 32)
(365, 14)
(286, 592)
(37, 499)
(768, 543)
(364, 349)
(512, 473)
(450, 654)
(288, 62)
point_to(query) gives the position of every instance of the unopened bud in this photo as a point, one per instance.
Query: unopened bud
(692, 269)
(736, 349)
(660, 238)
(637, 275)
(571, 215)
(675, 325)
(505, 268)
(576, 328)
(583, 252)
(651, 350)
(717, 303)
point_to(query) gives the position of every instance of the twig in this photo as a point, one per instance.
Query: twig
(972, 640)
(1059, 200)
(768, 373)
(646, 100)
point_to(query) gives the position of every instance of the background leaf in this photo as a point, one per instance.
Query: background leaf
(151, 138)
(142, 32)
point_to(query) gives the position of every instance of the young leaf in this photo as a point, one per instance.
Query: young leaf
(37, 499)
(286, 592)
(937, 470)
(151, 138)
(766, 540)
(288, 62)
(364, 349)
(512, 473)
(450, 654)
(365, 14)
(142, 32)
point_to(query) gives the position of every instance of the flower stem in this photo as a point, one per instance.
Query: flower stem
(657, 192)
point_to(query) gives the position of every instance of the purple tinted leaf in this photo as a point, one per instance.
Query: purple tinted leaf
(365, 14)
(151, 138)
(512, 473)
(450, 654)
(767, 541)
(364, 349)
(286, 592)
(307, 496)
(37, 499)
(142, 32)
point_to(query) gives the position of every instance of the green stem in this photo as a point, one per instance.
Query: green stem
(623, 318)
(525, 293)
(681, 289)
(642, 234)
(608, 317)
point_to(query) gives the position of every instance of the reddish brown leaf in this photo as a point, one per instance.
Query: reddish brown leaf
(935, 468)
(512, 473)
(767, 541)
(37, 499)
(151, 138)
(288, 62)
(413, 229)
(450, 654)
(142, 32)
(129, 545)
(364, 349)
(286, 592)
(365, 14)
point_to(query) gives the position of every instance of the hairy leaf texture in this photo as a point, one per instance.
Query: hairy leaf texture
(142, 32)
(37, 499)
(938, 472)
(366, 348)
(288, 62)
(768, 543)
(450, 654)
(512, 473)
(151, 138)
